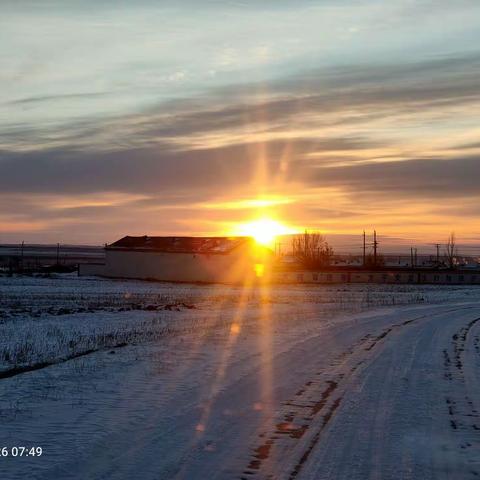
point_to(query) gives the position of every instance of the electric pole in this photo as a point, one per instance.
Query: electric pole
(375, 245)
(364, 249)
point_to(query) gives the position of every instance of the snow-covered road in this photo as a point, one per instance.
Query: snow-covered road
(400, 404)
(278, 392)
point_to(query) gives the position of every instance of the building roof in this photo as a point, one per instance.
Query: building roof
(210, 245)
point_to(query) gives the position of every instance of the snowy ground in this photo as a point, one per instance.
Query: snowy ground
(121, 380)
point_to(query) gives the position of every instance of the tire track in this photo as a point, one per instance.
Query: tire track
(461, 409)
(306, 415)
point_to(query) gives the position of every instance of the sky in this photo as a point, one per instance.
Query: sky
(191, 117)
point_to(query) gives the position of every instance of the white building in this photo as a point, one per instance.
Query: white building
(185, 259)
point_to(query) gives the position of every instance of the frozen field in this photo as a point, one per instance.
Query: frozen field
(138, 380)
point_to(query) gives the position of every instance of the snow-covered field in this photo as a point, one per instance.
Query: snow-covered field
(127, 380)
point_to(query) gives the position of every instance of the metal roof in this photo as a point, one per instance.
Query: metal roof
(180, 244)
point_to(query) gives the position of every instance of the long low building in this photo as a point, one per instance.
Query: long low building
(391, 276)
(185, 259)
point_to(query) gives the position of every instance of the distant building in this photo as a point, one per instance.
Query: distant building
(387, 276)
(185, 259)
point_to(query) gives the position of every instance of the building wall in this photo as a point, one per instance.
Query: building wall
(244, 265)
(392, 277)
(239, 266)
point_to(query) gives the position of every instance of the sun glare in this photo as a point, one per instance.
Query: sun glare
(264, 230)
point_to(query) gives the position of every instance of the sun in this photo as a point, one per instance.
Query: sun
(264, 230)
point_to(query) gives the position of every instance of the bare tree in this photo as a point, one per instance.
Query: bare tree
(311, 249)
(451, 250)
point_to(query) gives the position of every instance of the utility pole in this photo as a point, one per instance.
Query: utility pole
(364, 249)
(411, 257)
(278, 248)
(58, 254)
(23, 244)
(438, 253)
(375, 245)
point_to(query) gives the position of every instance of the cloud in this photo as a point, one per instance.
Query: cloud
(52, 98)
(395, 134)
(351, 99)
(414, 179)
